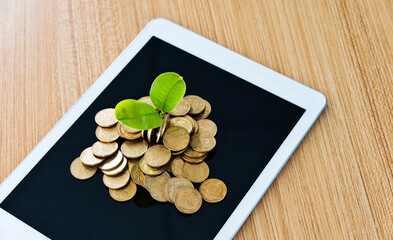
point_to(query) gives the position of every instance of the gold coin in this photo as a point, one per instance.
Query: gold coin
(194, 160)
(173, 185)
(182, 108)
(101, 149)
(157, 156)
(193, 122)
(162, 128)
(178, 152)
(144, 134)
(188, 200)
(196, 172)
(134, 148)
(142, 179)
(202, 142)
(106, 117)
(213, 190)
(177, 167)
(197, 104)
(157, 187)
(87, 157)
(182, 122)
(80, 171)
(112, 162)
(130, 129)
(131, 163)
(107, 134)
(149, 133)
(118, 181)
(168, 166)
(124, 194)
(152, 135)
(147, 100)
(150, 179)
(196, 126)
(135, 173)
(176, 138)
(207, 126)
(127, 135)
(193, 154)
(206, 112)
(118, 169)
(146, 169)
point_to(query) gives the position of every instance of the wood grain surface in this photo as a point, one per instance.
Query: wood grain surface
(337, 184)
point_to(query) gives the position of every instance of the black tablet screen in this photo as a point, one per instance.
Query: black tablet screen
(252, 124)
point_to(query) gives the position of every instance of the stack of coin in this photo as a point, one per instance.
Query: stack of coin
(106, 155)
(154, 135)
(128, 157)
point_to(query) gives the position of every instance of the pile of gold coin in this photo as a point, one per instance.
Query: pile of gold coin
(167, 161)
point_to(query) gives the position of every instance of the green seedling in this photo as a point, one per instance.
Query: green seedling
(166, 92)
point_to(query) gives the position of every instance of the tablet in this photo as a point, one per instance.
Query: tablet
(261, 115)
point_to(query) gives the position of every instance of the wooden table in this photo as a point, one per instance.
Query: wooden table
(338, 183)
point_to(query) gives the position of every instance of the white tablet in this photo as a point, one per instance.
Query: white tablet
(261, 116)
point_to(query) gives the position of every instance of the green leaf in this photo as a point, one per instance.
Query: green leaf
(167, 90)
(137, 114)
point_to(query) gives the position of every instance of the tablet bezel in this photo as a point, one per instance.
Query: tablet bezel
(312, 101)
